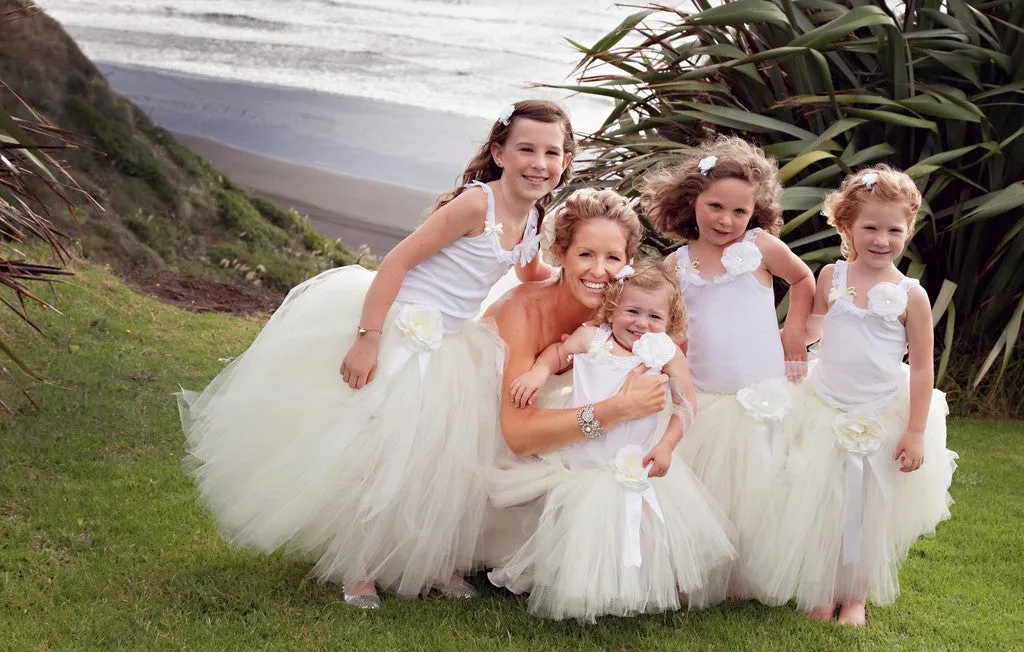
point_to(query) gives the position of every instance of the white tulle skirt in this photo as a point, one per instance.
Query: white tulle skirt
(575, 563)
(804, 554)
(738, 459)
(385, 482)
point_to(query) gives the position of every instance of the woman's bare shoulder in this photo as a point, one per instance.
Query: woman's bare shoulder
(524, 301)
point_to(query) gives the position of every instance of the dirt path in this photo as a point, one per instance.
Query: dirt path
(202, 295)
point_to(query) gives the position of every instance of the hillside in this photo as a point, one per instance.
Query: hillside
(164, 206)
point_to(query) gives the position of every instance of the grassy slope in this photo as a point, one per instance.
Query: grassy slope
(164, 206)
(102, 543)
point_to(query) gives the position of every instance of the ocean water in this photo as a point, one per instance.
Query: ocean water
(470, 57)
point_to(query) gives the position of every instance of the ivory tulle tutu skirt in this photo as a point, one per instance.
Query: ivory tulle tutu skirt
(583, 544)
(847, 520)
(736, 451)
(385, 482)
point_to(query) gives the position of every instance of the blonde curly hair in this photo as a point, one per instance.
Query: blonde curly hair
(650, 276)
(893, 186)
(588, 204)
(668, 195)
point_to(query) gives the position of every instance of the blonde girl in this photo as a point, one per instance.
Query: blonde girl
(871, 471)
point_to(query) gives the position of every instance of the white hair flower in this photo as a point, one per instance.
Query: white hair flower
(869, 180)
(707, 163)
(506, 114)
(624, 273)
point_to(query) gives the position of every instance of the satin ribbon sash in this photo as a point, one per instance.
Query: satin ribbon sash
(634, 503)
(399, 355)
(857, 472)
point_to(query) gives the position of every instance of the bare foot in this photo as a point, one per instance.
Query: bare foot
(824, 614)
(853, 613)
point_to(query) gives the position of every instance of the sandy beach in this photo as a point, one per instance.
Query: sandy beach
(359, 211)
(362, 170)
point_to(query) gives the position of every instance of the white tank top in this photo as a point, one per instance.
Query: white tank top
(862, 349)
(457, 278)
(596, 376)
(733, 331)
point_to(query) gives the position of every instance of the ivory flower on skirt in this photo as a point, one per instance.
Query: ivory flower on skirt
(860, 434)
(422, 327)
(629, 468)
(767, 401)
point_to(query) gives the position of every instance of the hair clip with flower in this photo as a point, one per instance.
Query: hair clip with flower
(707, 163)
(624, 273)
(506, 114)
(869, 180)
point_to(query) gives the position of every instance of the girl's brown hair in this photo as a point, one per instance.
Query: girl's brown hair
(889, 186)
(587, 204)
(482, 166)
(668, 195)
(650, 276)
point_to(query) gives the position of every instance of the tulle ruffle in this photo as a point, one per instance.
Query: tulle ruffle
(384, 482)
(573, 565)
(738, 461)
(802, 553)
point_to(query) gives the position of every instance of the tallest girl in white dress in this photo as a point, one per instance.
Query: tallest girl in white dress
(376, 474)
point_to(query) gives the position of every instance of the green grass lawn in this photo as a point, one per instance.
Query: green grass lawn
(102, 543)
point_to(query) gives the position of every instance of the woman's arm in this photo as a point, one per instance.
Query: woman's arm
(458, 218)
(922, 379)
(531, 430)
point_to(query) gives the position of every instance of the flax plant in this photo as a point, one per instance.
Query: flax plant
(933, 87)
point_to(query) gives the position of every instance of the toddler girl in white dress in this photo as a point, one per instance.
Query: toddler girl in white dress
(870, 471)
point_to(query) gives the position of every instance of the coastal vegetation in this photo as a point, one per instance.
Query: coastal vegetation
(162, 206)
(826, 87)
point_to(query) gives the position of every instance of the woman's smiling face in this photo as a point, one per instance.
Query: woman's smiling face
(596, 254)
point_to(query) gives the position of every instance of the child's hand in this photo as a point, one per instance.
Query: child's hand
(360, 364)
(910, 451)
(795, 348)
(526, 387)
(661, 456)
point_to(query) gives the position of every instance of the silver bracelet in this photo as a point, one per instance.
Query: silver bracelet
(589, 424)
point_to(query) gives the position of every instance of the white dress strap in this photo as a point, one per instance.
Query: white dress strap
(751, 234)
(685, 271)
(489, 218)
(839, 275)
(604, 331)
(908, 283)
